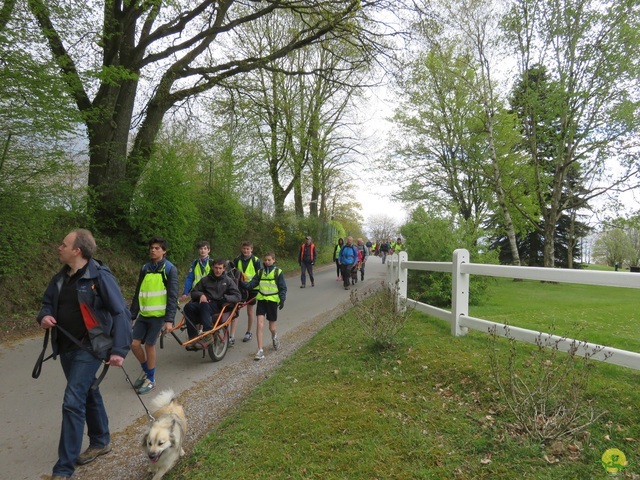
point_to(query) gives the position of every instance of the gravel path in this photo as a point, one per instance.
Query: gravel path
(204, 410)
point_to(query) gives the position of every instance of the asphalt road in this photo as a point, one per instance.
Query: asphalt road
(31, 409)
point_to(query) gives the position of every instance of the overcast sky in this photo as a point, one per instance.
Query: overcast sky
(375, 186)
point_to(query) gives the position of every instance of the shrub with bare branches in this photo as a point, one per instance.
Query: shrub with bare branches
(547, 391)
(382, 315)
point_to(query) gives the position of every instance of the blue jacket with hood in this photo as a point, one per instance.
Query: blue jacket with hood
(98, 289)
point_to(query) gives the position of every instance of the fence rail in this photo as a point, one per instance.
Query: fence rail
(461, 269)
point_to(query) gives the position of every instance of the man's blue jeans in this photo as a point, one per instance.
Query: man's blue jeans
(81, 404)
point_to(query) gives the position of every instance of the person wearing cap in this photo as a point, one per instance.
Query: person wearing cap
(306, 259)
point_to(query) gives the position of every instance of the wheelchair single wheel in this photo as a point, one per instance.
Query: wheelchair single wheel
(218, 349)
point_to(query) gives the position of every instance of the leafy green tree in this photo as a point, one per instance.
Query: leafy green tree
(165, 201)
(437, 141)
(474, 27)
(634, 236)
(434, 239)
(575, 97)
(40, 182)
(149, 57)
(460, 138)
(614, 248)
(297, 121)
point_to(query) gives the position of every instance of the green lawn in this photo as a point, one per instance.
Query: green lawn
(340, 409)
(604, 315)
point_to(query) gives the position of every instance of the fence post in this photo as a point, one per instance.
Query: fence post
(397, 276)
(459, 292)
(391, 273)
(402, 279)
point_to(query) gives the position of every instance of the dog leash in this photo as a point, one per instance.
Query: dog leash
(37, 369)
(149, 416)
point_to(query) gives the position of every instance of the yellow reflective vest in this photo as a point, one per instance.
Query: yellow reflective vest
(268, 286)
(153, 294)
(198, 273)
(250, 272)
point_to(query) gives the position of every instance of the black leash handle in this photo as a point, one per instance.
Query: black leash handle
(37, 369)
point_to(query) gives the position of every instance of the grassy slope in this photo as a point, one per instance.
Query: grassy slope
(338, 409)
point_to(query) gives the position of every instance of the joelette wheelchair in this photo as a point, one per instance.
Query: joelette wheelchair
(215, 341)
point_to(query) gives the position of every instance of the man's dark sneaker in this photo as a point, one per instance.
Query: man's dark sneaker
(247, 337)
(91, 453)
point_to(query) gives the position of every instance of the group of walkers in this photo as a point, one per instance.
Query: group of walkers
(90, 324)
(384, 248)
(351, 259)
(261, 286)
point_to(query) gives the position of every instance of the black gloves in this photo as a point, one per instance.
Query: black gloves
(281, 305)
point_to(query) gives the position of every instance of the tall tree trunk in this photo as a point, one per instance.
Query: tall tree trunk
(551, 216)
(571, 237)
(500, 194)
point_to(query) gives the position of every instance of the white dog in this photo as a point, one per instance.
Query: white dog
(163, 441)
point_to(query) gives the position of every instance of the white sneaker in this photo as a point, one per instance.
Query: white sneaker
(259, 355)
(276, 342)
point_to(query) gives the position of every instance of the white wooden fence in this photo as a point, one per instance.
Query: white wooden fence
(461, 268)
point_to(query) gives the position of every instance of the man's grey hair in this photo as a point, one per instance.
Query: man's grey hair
(85, 242)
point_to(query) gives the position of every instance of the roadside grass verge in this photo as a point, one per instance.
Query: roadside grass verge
(427, 409)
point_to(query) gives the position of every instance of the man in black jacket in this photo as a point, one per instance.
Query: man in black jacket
(208, 297)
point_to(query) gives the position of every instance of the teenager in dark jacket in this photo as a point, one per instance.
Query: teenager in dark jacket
(208, 298)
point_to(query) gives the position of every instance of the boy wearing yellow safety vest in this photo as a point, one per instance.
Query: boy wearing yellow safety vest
(153, 307)
(396, 246)
(200, 267)
(247, 264)
(272, 292)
